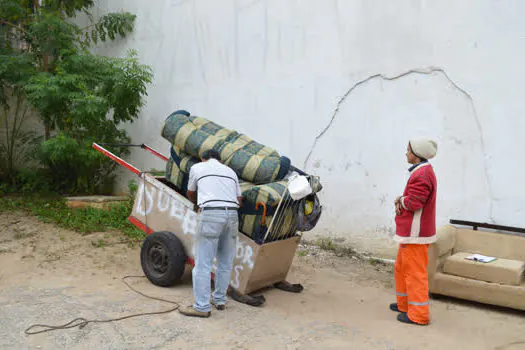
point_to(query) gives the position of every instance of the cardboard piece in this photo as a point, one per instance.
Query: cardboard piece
(161, 208)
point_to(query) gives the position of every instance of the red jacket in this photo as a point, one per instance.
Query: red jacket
(417, 222)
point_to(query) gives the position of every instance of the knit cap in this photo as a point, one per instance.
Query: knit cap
(424, 147)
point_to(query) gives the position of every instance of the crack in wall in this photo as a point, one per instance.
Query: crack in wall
(418, 71)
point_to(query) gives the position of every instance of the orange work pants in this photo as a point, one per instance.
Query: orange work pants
(411, 277)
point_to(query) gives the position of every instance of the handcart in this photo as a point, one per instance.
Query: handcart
(170, 221)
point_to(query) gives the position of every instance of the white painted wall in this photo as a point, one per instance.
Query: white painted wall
(340, 86)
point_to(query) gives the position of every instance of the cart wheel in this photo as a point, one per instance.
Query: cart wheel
(163, 258)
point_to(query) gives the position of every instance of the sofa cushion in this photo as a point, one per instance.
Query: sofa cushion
(490, 243)
(504, 271)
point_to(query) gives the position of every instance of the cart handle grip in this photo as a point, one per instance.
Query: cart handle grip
(154, 151)
(143, 146)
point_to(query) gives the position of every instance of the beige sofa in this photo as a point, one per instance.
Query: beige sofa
(499, 282)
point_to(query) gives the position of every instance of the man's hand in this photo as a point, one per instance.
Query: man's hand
(192, 196)
(398, 206)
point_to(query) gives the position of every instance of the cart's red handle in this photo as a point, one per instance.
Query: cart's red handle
(116, 159)
(154, 151)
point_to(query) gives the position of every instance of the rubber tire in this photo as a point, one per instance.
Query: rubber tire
(172, 250)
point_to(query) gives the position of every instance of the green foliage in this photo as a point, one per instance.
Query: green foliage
(132, 190)
(18, 144)
(326, 244)
(54, 210)
(376, 262)
(75, 167)
(109, 27)
(50, 34)
(68, 7)
(302, 253)
(339, 250)
(13, 11)
(86, 88)
(45, 60)
(28, 181)
(15, 71)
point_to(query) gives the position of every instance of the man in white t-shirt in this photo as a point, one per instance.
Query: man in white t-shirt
(215, 188)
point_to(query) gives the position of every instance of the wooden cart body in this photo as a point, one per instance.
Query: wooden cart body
(159, 207)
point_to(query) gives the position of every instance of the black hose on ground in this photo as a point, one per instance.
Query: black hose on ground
(81, 322)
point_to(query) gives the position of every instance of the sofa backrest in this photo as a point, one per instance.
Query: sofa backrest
(499, 245)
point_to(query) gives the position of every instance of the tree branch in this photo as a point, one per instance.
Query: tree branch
(14, 26)
(89, 26)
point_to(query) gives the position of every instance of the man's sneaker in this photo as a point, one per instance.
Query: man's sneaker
(190, 311)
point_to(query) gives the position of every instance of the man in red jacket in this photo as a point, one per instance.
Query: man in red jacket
(415, 230)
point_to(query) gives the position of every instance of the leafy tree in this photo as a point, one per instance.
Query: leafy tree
(45, 61)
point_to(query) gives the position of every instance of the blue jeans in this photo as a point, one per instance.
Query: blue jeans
(216, 236)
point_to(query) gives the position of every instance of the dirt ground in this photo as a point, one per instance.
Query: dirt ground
(51, 276)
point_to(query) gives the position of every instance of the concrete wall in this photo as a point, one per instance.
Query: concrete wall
(340, 86)
(29, 126)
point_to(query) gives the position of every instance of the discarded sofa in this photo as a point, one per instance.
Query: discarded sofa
(499, 282)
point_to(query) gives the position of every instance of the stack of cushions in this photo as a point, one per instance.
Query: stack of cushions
(190, 136)
(260, 169)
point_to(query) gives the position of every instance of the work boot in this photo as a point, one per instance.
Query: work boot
(289, 287)
(252, 300)
(403, 317)
(190, 311)
(394, 307)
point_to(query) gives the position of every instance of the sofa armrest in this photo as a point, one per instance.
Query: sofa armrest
(446, 240)
(440, 249)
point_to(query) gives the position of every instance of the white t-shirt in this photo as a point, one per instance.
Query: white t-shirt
(217, 184)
